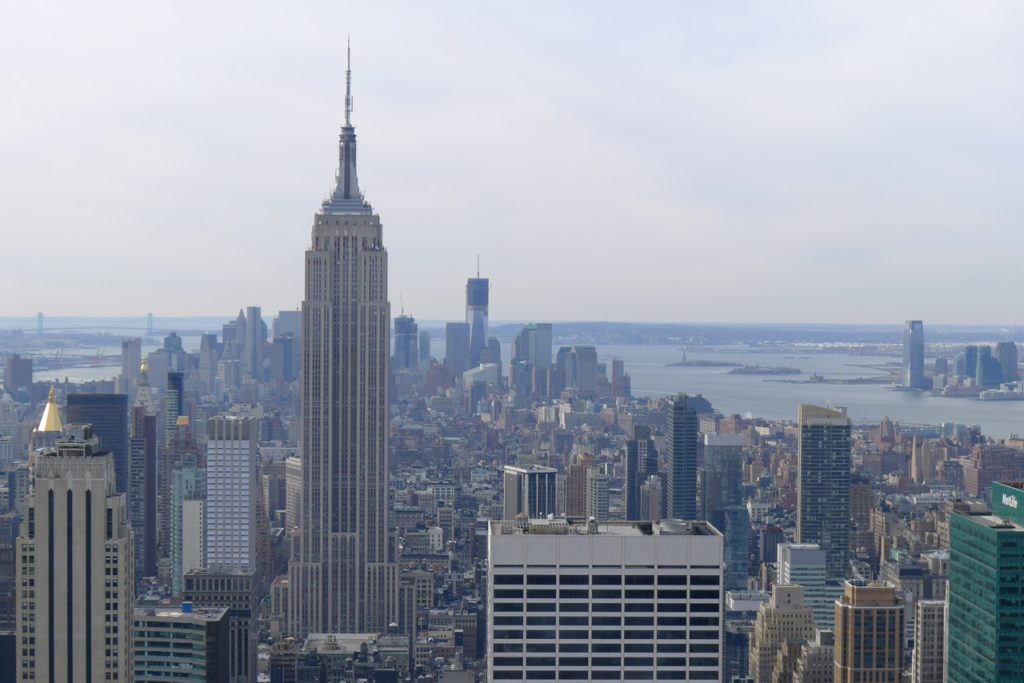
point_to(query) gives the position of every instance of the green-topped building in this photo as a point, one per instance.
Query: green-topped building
(986, 591)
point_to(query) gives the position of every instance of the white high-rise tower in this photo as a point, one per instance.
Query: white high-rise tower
(343, 574)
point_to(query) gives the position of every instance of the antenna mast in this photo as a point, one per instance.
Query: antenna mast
(348, 86)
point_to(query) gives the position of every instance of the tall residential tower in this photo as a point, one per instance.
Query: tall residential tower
(343, 575)
(823, 485)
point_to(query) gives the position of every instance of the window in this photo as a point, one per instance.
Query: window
(642, 580)
(540, 580)
(602, 580)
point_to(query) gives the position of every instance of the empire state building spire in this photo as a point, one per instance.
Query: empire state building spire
(346, 198)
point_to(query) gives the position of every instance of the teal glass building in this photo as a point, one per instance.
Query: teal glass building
(986, 591)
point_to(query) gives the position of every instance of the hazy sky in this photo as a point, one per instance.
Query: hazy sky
(656, 161)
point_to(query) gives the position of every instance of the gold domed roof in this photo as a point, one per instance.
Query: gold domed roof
(50, 421)
(182, 421)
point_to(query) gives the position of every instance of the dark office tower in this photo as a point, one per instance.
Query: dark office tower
(142, 484)
(477, 294)
(723, 503)
(255, 338)
(641, 463)
(492, 353)
(578, 365)
(530, 490)
(987, 372)
(456, 348)
(142, 496)
(620, 380)
(683, 433)
(768, 539)
(424, 349)
(282, 356)
(343, 577)
(236, 589)
(1006, 354)
(18, 373)
(108, 415)
(175, 352)
(406, 339)
(823, 485)
(913, 356)
(970, 368)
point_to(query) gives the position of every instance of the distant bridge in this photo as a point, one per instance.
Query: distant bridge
(147, 325)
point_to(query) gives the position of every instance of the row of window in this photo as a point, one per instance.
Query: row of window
(618, 606)
(582, 634)
(606, 594)
(606, 661)
(603, 620)
(606, 579)
(703, 648)
(604, 675)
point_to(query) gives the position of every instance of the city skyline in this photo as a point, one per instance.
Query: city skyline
(290, 496)
(784, 133)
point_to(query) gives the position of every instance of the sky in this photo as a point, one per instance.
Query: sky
(818, 162)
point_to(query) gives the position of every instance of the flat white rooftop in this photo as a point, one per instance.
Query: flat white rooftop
(581, 527)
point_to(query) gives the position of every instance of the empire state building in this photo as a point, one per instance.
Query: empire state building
(343, 577)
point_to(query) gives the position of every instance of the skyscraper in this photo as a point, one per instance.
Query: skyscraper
(987, 372)
(869, 634)
(913, 356)
(108, 415)
(530, 490)
(18, 373)
(985, 610)
(477, 296)
(131, 359)
(723, 503)
(784, 618)
(143, 475)
(641, 463)
(424, 349)
(456, 348)
(1006, 354)
(406, 340)
(235, 589)
(804, 564)
(575, 600)
(343, 575)
(683, 435)
(255, 338)
(75, 543)
(929, 657)
(823, 484)
(188, 521)
(186, 644)
(231, 493)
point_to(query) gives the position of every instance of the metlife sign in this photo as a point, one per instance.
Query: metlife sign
(1008, 502)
